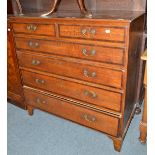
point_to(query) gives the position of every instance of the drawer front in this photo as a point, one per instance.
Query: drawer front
(101, 122)
(92, 32)
(79, 71)
(95, 53)
(73, 90)
(34, 28)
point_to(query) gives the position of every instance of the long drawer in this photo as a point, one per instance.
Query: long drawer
(90, 52)
(92, 32)
(34, 28)
(95, 120)
(75, 70)
(88, 94)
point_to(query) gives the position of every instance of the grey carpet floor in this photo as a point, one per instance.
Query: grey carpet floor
(45, 134)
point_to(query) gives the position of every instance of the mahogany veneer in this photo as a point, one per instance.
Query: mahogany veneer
(14, 85)
(85, 70)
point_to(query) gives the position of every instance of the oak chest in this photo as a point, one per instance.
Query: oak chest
(84, 70)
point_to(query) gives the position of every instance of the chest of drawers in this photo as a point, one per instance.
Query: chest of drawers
(84, 70)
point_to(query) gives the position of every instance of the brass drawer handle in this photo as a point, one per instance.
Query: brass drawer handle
(35, 62)
(39, 81)
(87, 53)
(83, 31)
(33, 44)
(31, 27)
(93, 31)
(39, 101)
(90, 31)
(88, 74)
(89, 118)
(90, 93)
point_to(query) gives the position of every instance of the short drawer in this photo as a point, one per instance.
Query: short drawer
(34, 28)
(92, 32)
(89, 52)
(91, 95)
(86, 117)
(99, 75)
